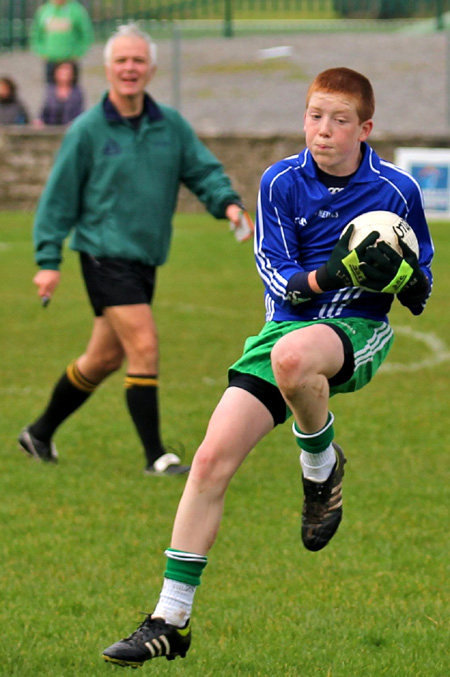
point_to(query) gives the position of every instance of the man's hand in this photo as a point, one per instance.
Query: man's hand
(342, 268)
(46, 281)
(386, 271)
(232, 212)
(240, 222)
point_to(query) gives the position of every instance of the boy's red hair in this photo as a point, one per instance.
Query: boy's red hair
(348, 82)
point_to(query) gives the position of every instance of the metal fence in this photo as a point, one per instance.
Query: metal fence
(16, 15)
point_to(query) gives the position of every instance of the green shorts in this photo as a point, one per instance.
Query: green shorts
(366, 345)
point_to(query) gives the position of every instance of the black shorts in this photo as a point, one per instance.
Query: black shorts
(116, 282)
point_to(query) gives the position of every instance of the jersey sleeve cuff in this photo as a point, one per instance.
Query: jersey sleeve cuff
(298, 289)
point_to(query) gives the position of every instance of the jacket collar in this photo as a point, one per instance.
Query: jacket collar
(151, 109)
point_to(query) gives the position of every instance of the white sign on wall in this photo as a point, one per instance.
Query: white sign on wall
(430, 167)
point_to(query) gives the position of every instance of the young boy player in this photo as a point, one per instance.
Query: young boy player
(326, 332)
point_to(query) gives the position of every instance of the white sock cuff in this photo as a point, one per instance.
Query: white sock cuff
(181, 556)
(169, 584)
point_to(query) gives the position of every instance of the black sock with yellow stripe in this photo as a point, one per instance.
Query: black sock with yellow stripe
(70, 392)
(141, 392)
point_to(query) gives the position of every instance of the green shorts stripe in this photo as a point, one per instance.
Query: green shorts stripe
(382, 336)
(370, 340)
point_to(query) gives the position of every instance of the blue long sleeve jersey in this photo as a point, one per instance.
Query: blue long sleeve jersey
(299, 221)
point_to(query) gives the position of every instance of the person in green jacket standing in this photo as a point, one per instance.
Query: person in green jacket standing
(114, 186)
(61, 31)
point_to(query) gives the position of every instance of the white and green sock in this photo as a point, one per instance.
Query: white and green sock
(318, 456)
(181, 580)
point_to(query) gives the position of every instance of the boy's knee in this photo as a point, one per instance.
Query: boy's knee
(293, 368)
(209, 466)
(287, 363)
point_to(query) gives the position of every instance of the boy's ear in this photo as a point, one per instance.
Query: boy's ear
(366, 129)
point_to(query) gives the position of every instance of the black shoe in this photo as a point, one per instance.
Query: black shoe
(42, 451)
(153, 638)
(167, 464)
(322, 506)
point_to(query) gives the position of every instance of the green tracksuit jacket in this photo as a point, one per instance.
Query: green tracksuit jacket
(61, 32)
(115, 187)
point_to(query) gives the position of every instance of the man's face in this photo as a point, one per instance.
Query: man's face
(333, 132)
(129, 69)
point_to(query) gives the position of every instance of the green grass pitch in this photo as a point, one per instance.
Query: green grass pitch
(82, 542)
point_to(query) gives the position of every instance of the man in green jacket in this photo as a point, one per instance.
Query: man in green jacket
(114, 184)
(61, 31)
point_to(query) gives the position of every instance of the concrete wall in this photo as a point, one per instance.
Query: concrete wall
(26, 156)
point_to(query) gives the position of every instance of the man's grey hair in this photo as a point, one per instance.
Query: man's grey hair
(130, 30)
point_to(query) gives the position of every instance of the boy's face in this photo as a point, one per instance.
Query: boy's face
(333, 132)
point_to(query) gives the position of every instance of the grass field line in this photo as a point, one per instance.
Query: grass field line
(193, 308)
(438, 348)
(439, 351)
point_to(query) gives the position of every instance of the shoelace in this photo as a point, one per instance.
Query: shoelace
(143, 627)
(317, 497)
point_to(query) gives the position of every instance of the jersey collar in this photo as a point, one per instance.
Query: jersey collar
(368, 170)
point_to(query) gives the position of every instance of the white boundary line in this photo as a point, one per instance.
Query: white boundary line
(439, 352)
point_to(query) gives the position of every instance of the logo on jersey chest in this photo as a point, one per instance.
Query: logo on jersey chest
(302, 221)
(325, 214)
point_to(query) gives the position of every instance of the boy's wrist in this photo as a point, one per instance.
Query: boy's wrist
(312, 281)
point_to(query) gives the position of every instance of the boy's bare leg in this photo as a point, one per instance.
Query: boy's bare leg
(238, 423)
(236, 426)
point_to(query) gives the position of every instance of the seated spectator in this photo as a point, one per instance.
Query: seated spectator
(64, 100)
(12, 110)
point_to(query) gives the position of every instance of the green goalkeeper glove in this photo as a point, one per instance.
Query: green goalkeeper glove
(417, 289)
(386, 271)
(342, 268)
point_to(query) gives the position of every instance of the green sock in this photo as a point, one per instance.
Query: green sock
(185, 567)
(314, 443)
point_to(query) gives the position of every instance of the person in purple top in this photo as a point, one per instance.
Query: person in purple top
(64, 100)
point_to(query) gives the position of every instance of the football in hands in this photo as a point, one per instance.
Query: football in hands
(392, 229)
